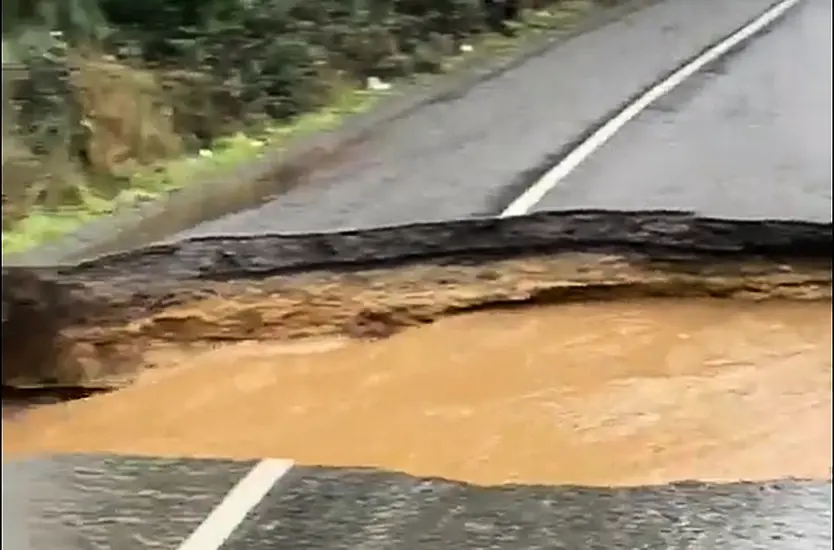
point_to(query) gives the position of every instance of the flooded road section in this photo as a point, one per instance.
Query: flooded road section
(630, 392)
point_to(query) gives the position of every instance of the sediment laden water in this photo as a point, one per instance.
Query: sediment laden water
(607, 392)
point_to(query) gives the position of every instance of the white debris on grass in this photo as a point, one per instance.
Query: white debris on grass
(375, 84)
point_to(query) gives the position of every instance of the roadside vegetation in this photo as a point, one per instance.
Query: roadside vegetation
(110, 102)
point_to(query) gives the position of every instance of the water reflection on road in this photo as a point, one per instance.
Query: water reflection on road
(599, 393)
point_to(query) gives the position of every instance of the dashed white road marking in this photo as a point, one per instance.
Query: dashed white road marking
(527, 200)
(249, 491)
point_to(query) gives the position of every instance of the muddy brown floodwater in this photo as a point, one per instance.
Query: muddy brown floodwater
(625, 392)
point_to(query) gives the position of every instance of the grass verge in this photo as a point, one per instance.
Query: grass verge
(42, 225)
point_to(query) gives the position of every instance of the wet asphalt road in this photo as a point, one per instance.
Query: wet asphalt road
(748, 138)
(126, 503)
(468, 156)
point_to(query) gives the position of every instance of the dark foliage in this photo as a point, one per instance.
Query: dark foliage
(221, 66)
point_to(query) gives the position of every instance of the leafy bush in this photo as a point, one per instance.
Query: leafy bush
(224, 65)
(94, 89)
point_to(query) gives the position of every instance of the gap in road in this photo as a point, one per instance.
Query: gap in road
(629, 392)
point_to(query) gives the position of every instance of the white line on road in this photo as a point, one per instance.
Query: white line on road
(527, 200)
(222, 521)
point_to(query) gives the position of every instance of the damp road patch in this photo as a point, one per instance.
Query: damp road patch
(81, 502)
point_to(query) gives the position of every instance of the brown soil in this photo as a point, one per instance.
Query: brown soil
(114, 332)
(633, 391)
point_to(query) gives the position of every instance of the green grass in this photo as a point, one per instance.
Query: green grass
(42, 226)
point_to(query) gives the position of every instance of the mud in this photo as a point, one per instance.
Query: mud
(101, 336)
(630, 392)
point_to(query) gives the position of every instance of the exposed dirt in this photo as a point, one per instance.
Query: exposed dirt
(624, 392)
(111, 333)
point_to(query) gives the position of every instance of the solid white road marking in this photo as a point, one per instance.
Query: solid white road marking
(522, 204)
(222, 521)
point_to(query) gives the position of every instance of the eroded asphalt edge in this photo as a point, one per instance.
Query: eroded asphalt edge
(652, 234)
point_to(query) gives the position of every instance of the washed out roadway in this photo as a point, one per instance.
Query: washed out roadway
(469, 155)
(748, 138)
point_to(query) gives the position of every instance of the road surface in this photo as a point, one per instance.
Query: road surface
(131, 503)
(748, 138)
(473, 155)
